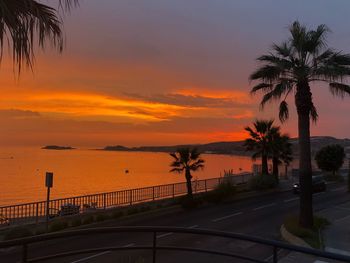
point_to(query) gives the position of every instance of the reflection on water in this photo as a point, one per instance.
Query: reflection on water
(80, 172)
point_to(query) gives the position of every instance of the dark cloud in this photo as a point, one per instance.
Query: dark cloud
(13, 113)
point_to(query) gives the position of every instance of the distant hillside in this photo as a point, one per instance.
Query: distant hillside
(236, 147)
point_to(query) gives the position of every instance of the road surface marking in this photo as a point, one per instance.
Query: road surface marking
(194, 226)
(338, 189)
(90, 257)
(130, 245)
(225, 217)
(320, 193)
(340, 219)
(343, 208)
(165, 235)
(292, 199)
(337, 251)
(264, 206)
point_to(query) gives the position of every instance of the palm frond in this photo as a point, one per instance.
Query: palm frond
(313, 113)
(283, 111)
(25, 23)
(261, 86)
(339, 89)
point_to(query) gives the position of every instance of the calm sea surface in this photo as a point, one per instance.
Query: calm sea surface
(80, 172)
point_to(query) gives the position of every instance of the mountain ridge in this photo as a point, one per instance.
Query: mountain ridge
(232, 147)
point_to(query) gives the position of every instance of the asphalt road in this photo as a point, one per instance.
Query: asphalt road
(259, 216)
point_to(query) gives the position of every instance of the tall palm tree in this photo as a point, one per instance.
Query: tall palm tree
(291, 68)
(260, 141)
(187, 160)
(25, 23)
(281, 152)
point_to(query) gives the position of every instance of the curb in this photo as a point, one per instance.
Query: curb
(292, 239)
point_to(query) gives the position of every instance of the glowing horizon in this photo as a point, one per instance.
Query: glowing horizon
(159, 73)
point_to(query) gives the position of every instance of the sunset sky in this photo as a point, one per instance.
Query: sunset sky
(157, 72)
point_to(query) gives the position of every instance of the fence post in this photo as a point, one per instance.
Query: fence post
(130, 197)
(37, 213)
(104, 201)
(205, 185)
(173, 191)
(153, 193)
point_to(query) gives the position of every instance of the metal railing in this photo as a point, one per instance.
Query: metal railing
(35, 212)
(154, 247)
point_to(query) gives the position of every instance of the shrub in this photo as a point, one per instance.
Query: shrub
(145, 208)
(58, 225)
(189, 203)
(224, 190)
(262, 182)
(76, 222)
(17, 232)
(88, 219)
(101, 217)
(117, 214)
(132, 211)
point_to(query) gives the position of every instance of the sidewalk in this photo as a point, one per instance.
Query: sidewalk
(336, 236)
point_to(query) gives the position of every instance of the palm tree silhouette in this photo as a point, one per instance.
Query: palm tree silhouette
(281, 152)
(23, 23)
(187, 160)
(260, 141)
(290, 68)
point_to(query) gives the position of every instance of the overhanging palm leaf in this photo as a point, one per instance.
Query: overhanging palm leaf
(23, 23)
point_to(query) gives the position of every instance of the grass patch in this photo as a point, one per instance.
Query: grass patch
(87, 219)
(18, 232)
(310, 236)
(58, 225)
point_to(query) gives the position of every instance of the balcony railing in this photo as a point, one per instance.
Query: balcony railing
(154, 248)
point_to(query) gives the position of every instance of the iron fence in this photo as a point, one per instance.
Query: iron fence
(35, 212)
(154, 247)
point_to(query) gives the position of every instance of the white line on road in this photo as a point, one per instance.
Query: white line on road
(320, 193)
(338, 189)
(165, 235)
(130, 245)
(90, 257)
(291, 200)
(194, 226)
(226, 217)
(264, 206)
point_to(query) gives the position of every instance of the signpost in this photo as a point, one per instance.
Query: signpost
(48, 184)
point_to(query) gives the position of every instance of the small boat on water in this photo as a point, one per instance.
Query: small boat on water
(126, 171)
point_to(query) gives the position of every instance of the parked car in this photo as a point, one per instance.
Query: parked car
(318, 185)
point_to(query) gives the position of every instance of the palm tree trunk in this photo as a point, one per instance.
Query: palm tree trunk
(303, 102)
(275, 170)
(189, 183)
(286, 171)
(264, 168)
